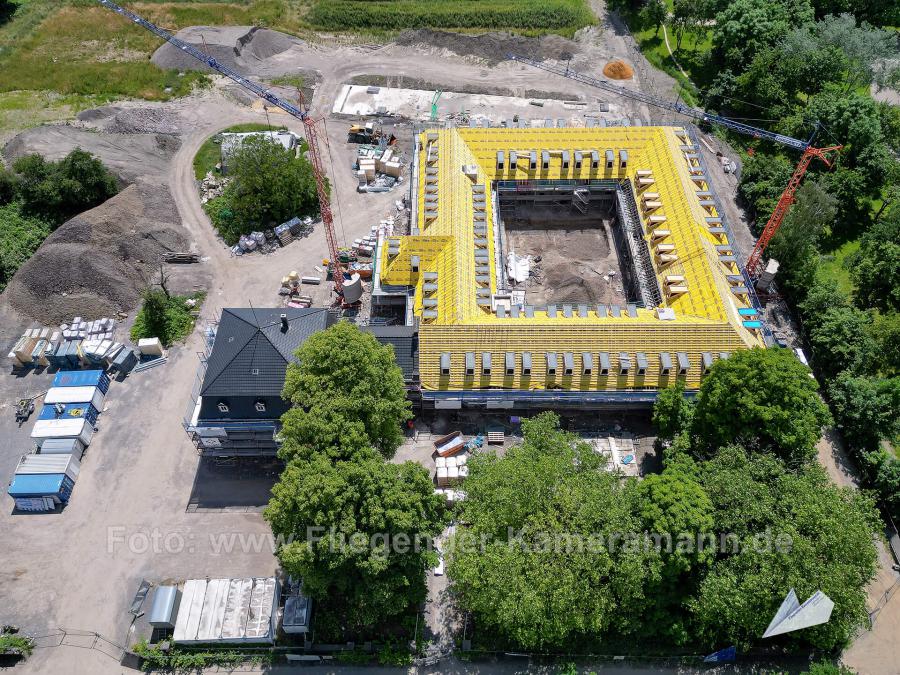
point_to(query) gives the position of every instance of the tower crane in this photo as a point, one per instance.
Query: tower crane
(787, 197)
(309, 126)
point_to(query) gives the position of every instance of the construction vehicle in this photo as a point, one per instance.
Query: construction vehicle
(434, 104)
(787, 197)
(367, 133)
(314, 151)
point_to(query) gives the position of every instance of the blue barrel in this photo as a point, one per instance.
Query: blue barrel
(82, 378)
(69, 410)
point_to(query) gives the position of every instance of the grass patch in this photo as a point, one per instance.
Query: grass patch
(210, 152)
(170, 318)
(835, 264)
(565, 16)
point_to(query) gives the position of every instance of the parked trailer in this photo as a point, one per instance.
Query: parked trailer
(90, 395)
(32, 465)
(58, 411)
(63, 446)
(40, 492)
(82, 378)
(72, 428)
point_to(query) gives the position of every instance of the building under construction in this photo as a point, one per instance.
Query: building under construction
(638, 284)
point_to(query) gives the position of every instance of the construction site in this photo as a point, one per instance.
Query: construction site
(532, 223)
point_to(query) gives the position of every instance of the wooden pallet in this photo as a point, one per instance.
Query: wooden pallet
(496, 437)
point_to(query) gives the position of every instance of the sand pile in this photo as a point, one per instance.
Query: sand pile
(231, 46)
(618, 70)
(99, 262)
(492, 47)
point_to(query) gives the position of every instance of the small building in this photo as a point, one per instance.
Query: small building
(227, 611)
(233, 142)
(238, 406)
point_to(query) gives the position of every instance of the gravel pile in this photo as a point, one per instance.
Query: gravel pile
(232, 46)
(99, 262)
(262, 43)
(144, 121)
(492, 47)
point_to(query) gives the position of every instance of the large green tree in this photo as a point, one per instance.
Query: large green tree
(746, 27)
(791, 529)
(57, 191)
(866, 409)
(875, 268)
(348, 392)
(763, 398)
(357, 533)
(545, 559)
(672, 412)
(270, 185)
(841, 339)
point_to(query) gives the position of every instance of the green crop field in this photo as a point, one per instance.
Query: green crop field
(563, 16)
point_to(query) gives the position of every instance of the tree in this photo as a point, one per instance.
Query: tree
(20, 237)
(875, 268)
(672, 412)
(764, 399)
(269, 185)
(546, 559)
(57, 191)
(865, 409)
(811, 214)
(763, 179)
(746, 27)
(344, 376)
(357, 533)
(885, 332)
(154, 311)
(787, 530)
(654, 13)
(841, 339)
(887, 482)
(9, 186)
(871, 52)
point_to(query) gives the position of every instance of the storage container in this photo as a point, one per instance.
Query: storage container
(33, 465)
(82, 378)
(63, 446)
(90, 395)
(72, 428)
(56, 411)
(40, 492)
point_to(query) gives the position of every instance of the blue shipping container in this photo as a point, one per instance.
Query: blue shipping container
(82, 378)
(58, 486)
(73, 410)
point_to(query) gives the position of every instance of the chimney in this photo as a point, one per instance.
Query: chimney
(284, 322)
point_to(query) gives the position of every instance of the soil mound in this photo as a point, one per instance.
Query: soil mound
(99, 262)
(492, 47)
(231, 46)
(618, 70)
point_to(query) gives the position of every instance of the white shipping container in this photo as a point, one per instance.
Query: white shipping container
(78, 428)
(91, 395)
(52, 464)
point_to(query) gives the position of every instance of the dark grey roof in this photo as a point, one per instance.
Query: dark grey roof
(405, 341)
(251, 350)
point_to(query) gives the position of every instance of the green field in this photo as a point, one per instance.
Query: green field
(565, 16)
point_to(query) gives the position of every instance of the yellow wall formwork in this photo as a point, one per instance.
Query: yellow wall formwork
(457, 168)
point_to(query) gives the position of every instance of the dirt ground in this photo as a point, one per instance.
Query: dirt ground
(141, 479)
(575, 262)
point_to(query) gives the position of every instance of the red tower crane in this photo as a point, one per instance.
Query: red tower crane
(784, 203)
(309, 127)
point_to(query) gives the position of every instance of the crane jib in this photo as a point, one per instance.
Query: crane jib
(674, 106)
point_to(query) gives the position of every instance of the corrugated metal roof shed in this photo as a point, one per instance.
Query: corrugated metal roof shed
(227, 610)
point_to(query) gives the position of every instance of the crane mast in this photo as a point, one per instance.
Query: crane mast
(309, 126)
(787, 197)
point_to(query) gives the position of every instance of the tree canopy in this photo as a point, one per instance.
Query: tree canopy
(269, 185)
(56, 191)
(876, 266)
(347, 391)
(519, 566)
(350, 531)
(764, 399)
(826, 543)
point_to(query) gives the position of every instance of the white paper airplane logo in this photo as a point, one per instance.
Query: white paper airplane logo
(793, 616)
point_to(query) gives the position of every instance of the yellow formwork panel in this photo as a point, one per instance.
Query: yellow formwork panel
(612, 339)
(452, 161)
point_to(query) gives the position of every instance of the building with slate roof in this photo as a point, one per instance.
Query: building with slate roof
(237, 403)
